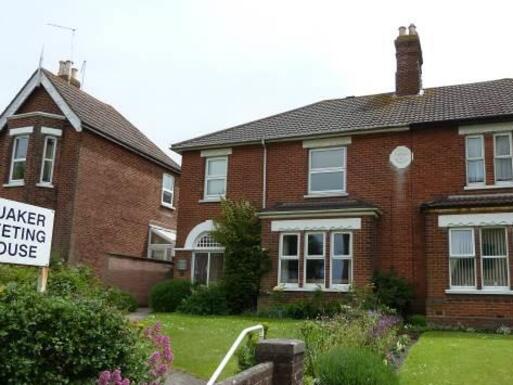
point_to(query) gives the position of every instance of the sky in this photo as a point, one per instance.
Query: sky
(182, 68)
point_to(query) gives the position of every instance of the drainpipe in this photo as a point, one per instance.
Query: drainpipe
(264, 176)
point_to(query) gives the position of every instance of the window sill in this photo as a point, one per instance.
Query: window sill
(45, 185)
(311, 289)
(326, 195)
(14, 184)
(168, 206)
(488, 187)
(211, 200)
(480, 292)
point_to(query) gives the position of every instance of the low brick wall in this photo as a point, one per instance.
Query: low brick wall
(261, 374)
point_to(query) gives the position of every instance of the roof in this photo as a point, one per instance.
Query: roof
(450, 103)
(107, 120)
(338, 204)
(475, 200)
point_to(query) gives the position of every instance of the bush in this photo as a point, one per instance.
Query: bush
(353, 366)
(47, 339)
(205, 300)
(166, 296)
(418, 320)
(393, 291)
(121, 300)
(246, 354)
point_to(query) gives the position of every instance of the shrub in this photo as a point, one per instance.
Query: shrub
(393, 291)
(246, 354)
(238, 229)
(353, 366)
(119, 299)
(418, 320)
(205, 300)
(166, 296)
(47, 339)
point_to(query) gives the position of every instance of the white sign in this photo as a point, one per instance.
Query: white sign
(401, 157)
(25, 233)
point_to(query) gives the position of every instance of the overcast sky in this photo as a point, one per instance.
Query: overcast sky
(182, 68)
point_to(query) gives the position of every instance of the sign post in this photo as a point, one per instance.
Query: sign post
(26, 236)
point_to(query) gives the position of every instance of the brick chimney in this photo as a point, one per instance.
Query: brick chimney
(408, 78)
(68, 72)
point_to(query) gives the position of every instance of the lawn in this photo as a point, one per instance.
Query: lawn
(200, 342)
(450, 358)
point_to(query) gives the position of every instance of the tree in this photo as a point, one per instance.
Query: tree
(238, 229)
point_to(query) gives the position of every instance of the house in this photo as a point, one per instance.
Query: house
(418, 180)
(114, 192)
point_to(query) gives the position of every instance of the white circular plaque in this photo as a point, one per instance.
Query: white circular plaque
(401, 157)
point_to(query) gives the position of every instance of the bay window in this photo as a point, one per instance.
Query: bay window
(288, 269)
(341, 258)
(314, 259)
(494, 258)
(216, 169)
(19, 159)
(474, 154)
(503, 160)
(462, 258)
(48, 162)
(327, 171)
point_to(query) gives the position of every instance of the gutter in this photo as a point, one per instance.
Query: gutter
(264, 176)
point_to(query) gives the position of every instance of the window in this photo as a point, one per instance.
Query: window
(494, 258)
(19, 159)
(288, 270)
(327, 171)
(462, 258)
(341, 255)
(161, 244)
(314, 259)
(49, 151)
(215, 177)
(475, 160)
(207, 265)
(503, 158)
(168, 190)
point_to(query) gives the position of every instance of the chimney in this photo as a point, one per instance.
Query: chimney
(408, 78)
(68, 73)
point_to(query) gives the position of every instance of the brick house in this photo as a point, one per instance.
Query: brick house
(114, 192)
(417, 180)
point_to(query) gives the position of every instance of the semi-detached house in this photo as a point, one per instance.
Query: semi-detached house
(419, 180)
(114, 191)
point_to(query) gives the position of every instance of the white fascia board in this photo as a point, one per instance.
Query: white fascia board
(61, 103)
(51, 131)
(327, 142)
(36, 114)
(317, 224)
(33, 82)
(484, 128)
(216, 152)
(21, 131)
(461, 220)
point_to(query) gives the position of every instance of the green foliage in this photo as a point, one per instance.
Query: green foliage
(68, 281)
(418, 320)
(393, 291)
(48, 339)
(205, 300)
(166, 296)
(246, 353)
(353, 366)
(238, 229)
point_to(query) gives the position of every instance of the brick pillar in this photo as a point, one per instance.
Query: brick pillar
(288, 359)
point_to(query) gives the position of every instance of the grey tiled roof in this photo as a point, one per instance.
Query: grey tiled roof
(449, 103)
(470, 200)
(109, 122)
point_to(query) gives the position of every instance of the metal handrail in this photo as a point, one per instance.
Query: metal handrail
(232, 350)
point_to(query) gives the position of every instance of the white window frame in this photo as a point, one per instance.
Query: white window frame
(289, 257)
(342, 169)
(343, 287)
(314, 257)
(471, 255)
(51, 160)
(159, 246)
(491, 288)
(215, 197)
(495, 156)
(204, 250)
(164, 190)
(468, 159)
(17, 160)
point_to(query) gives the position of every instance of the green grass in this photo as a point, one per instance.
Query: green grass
(200, 342)
(450, 358)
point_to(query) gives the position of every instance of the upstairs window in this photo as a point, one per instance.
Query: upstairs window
(168, 190)
(462, 259)
(19, 159)
(503, 161)
(215, 177)
(327, 171)
(494, 258)
(475, 160)
(47, 166)
(161, 244)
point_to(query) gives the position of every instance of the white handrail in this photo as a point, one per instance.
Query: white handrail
(234, 347)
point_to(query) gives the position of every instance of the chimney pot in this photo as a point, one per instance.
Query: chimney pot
(68, 72)
(402, 30)
(412, 30)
